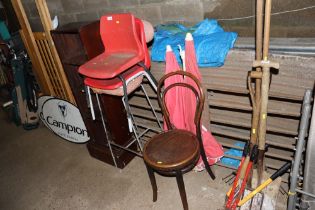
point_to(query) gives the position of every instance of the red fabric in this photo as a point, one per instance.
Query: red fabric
(181, 103)
(173, 99)
(213, 149)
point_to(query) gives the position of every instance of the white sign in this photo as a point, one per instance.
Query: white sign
(40, 101)
(64, 119)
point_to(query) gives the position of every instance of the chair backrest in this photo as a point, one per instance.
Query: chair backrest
(119, 34)
(197, 90)
(141, 36)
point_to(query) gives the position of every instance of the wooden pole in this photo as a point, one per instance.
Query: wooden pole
(265, 83)
(255, 95)
(256, 99)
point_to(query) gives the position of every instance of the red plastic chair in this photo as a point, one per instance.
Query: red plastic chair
(120, 69)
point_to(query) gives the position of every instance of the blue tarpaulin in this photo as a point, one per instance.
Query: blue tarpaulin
(233, 152)
(211, 42)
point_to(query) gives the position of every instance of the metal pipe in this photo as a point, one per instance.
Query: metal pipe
(309, 168)
(306, 107)
(305, 193)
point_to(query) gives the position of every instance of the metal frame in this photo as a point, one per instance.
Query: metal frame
(131, 122)
(300, 147)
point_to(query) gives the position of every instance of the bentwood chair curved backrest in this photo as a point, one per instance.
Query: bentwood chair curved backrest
(176, 151)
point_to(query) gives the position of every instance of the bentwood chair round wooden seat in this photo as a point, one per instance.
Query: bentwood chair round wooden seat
(172, 150)
(176, 151)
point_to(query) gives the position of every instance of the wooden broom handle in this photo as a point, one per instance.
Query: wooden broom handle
(267, 29)
(259, 28)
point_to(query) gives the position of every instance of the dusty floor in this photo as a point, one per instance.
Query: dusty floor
(41, 171)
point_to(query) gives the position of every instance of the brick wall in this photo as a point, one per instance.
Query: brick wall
(188, 12)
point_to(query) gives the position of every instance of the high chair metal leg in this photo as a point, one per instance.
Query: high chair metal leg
(90, 102)
(132, 127)
(105, 129)
(149, 76)
(125, 100)
(148, 100)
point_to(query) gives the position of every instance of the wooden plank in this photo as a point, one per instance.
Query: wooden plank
(234, 118)
(50, 70)
(242, 102)
(52, 52)
(32, 50)
(243, 134)
(30, 45)
(282, 155)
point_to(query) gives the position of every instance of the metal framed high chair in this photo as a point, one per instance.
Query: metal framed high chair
(120, 70)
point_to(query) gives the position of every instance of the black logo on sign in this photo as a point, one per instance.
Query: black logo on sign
(63, 109)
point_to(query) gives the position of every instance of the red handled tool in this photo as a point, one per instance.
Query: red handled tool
(231, 194)
(253, 158)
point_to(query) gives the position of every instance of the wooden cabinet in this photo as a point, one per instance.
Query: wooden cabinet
(76, 43)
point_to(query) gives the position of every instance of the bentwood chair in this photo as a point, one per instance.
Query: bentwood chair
(175, 152)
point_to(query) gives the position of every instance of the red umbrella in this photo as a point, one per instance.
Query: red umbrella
(173, 98)
(213, 149)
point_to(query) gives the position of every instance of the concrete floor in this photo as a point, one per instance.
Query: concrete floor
(41, 171)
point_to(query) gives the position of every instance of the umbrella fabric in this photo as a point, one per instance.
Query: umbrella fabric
(213, 149)
(173, 98)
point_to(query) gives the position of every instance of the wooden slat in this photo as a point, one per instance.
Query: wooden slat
(283, 155)
(30, 45)
(52, 51)
(274, 124)
(242, 102)
(44, 59)
(241, 134)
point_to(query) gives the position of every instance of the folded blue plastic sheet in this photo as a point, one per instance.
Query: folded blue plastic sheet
(233, 152)
(211, 42)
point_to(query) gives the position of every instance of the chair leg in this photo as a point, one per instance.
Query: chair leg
(90, 102)
(205, 161)
(153, 182)
(181, 187)
(105, 129)
(149, 76)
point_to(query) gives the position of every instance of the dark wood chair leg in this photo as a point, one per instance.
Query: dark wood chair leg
(153, 182)
(205, 161)
(181, 187)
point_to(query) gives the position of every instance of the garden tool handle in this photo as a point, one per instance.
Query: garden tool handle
(252, 159)
(278, 173)
(254, 154)
(281, 171)
(249, 159)
(259, 28)
(255, 75)
(267, 29)
(246, 149)
(245, 153)
(265, 64)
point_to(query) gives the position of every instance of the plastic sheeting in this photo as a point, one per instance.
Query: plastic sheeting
(211, 42)
(233, 152)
